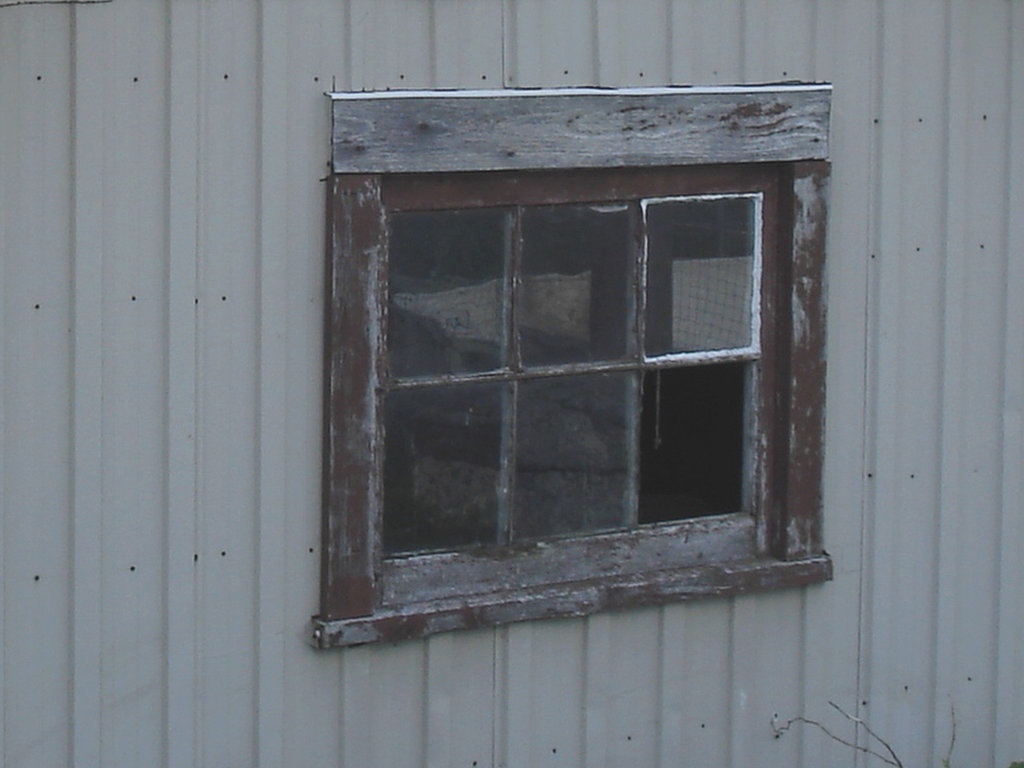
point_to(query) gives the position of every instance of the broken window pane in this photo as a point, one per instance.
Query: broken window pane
(700, 274)
(446, 291)
(442, 466)
(576, 288)
(573, 454)
(692, 442)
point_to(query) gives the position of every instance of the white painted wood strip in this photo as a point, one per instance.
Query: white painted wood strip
(89, 44)
(272, 357)
(183, 156)
(527, 129)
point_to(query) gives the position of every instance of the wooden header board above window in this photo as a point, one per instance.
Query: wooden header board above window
(427, 132)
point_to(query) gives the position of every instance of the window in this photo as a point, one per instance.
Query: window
(573, 351)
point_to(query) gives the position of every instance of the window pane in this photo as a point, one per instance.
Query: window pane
(692, 442)
(446, 284)
(700, 274)
(576, 290)
(442, 466)
(573, 456)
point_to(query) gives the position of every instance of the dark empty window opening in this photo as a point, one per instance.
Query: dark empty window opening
(692, 442)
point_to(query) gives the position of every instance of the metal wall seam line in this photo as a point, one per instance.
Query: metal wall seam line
(598, 690)
(6, 144)
(184, 21)
(965, 627)
(1009, 660)
(466, 45)
(884, 550)
(872, 288)
(272, 369)
(952, 387)
(509, 43)
(844, 49)
(1009, 656)
(88, 43)
(438, 705)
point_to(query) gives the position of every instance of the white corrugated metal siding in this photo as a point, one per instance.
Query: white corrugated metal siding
(161, 230)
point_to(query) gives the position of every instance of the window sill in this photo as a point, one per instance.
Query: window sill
(578, 598)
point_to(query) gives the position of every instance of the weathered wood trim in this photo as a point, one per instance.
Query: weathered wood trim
(352, 358)
(523, 130)
(580, 598)
(799, 532)
(439, 191)
(776, 543)
(429, 577)
(770, 373)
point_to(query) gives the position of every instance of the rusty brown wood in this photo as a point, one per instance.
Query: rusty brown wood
(352, 357)
(668, 585)
(800, 533)
(365, 598)
(474, 190)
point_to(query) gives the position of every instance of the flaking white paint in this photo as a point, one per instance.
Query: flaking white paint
(204, 437)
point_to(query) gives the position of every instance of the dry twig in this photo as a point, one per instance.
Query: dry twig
(892, 759)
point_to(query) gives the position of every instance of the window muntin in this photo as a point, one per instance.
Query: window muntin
(590, 297)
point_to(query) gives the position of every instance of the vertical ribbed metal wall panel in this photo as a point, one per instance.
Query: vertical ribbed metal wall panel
(161, 296)
(36, 410)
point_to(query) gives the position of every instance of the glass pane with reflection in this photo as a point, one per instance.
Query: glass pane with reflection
(446, 291)
(576, 285)
(700, 274)
(442, 466)
(573, 454)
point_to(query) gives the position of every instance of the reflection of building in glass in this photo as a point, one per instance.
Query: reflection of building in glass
(466, 317)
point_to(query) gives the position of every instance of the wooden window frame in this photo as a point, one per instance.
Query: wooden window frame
(433, 151)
